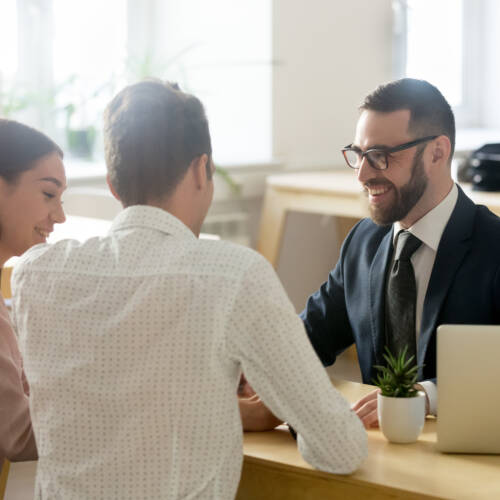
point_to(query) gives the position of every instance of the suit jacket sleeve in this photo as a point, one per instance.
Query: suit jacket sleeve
(325, 315)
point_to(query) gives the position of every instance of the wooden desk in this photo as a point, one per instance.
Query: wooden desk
(328, 193)
(274, 469)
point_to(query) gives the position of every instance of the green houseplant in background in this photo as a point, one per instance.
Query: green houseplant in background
(12, 101)
(57, 101)
(400, 406)
(80, 140)
(77, 106)
(81, 103)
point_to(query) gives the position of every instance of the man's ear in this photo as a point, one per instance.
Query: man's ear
(112, 189)
(199, 169)
(441, 150)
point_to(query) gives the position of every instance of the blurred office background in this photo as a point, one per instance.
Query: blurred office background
(281, 81)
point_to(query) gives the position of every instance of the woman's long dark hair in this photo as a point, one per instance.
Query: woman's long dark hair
(20, 147)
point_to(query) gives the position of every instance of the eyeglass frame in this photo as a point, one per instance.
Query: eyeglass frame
(385, 151)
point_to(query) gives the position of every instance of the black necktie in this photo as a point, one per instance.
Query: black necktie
(401, 297)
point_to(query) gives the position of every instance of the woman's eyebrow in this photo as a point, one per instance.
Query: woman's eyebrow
(57, 182)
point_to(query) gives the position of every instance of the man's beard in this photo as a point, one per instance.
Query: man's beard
(406, 197)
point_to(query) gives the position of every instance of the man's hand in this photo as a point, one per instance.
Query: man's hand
(420, 387)
(255, 415)
(366, 409)
(245, 390)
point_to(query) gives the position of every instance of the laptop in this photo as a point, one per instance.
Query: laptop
(468, 372)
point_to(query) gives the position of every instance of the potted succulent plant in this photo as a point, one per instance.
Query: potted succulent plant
(400, 406)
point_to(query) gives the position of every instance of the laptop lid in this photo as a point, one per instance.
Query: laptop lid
(468, 374)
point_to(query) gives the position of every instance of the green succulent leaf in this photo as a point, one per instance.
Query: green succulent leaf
(399, 376)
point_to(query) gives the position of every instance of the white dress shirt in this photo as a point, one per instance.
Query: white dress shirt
(133, 346)
(429, 230)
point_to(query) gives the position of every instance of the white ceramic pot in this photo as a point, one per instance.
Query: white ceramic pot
(401, 419)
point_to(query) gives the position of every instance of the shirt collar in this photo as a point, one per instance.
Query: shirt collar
(152, 218)
(430, 227)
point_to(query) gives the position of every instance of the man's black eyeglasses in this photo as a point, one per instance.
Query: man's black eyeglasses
(378, 158)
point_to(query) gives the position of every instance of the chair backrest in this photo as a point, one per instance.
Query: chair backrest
(4, 474)
(5, 282)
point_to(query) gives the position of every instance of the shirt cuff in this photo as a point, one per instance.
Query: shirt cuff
(430, 389)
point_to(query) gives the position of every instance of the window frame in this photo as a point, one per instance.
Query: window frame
(469, 113)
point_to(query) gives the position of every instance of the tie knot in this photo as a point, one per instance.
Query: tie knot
(406, 245)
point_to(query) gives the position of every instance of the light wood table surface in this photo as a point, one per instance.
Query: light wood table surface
(273, 468)
(328, 193)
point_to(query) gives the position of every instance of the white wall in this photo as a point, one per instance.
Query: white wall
(328, 55)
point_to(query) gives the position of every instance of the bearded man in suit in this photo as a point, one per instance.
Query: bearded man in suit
(401, 153)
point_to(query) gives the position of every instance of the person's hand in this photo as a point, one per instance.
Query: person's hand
(255, 415)
(366, 409)
(245, 390)
(420, 387)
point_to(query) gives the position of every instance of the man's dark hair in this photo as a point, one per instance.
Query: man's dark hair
(20, 148)
(430, 113)
(152, 133)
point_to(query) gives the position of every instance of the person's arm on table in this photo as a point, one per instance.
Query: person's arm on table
(268, 339)
(327, 325)
(256, 416)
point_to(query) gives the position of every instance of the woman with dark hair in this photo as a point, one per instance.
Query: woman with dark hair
(32, 180)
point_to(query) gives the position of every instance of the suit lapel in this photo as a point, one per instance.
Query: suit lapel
(453, 247)
(377, 295)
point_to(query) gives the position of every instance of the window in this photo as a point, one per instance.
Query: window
(8, 42)
(89, 54)
(221, 51)
(61, 61)
(435, 33)
(452, 44)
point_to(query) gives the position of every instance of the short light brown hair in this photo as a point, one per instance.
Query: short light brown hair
(152, 133)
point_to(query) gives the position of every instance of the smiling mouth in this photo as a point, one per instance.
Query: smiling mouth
(377, 190)
(42, 232)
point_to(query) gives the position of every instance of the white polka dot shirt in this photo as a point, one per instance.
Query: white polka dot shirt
(133, 346)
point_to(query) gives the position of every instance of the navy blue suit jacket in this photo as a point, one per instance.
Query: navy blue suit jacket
(464, 288)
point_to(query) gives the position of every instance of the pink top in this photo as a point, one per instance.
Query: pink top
(17, 441)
